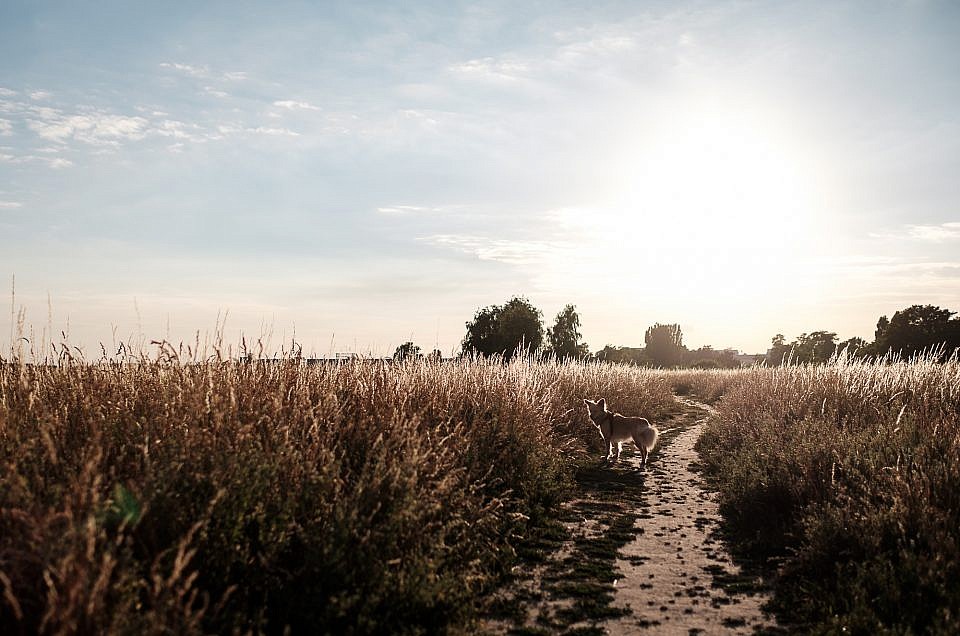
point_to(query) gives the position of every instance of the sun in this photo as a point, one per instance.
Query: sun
(715, 179)
(713, 195)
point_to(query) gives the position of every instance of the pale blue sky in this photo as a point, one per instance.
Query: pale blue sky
(367, 173)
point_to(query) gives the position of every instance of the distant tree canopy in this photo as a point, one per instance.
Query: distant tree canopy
(406, 350)
(664, 344)
(818, 346)
(916, 328)
(564, 338)
(622, 355)
(505, 328)
(910, 331)
(706, 357)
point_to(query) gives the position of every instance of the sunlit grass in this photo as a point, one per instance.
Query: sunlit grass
(183, 493)
(848, 472)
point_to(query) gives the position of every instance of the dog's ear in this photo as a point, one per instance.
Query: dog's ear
(587, 402)
(602, 404)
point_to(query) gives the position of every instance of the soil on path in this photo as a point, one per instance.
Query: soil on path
(639, 551)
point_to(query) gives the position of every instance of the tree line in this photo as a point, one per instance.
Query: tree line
(913, 330)
(517, 327)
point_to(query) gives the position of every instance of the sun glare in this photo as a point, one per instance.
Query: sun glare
(711, 200)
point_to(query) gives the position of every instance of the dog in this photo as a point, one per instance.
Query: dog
(616, 429)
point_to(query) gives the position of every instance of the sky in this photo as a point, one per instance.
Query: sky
(353, 175)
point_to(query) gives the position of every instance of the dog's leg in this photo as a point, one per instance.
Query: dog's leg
(609, 451)
(643, 455)
(619, 449)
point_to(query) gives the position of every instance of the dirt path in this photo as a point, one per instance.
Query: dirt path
(677, 574)
(637, 552)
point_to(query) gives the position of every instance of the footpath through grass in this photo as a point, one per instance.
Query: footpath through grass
(564, 582)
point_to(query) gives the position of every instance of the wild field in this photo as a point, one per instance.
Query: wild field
(845, 476)
(167, 494)
(172, 495)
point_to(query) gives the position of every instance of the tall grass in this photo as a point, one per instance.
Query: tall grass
(166, 495)
(848, 472)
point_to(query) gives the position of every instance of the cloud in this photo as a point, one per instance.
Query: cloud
(10, 205)
(180, 130)
(187, 69)
(6, 92)
(6, 127)
(216, 92)
(491, 68)
(935, 233)
(40, 95)
(225, 130)
(290, 104)
(508, 251)
(406, 209)
(55, 162)
(204, 72)
(927, 233)
(276, 132)
(94, 128)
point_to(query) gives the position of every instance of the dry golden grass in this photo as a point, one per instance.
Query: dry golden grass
(849, 472)
(167, 495)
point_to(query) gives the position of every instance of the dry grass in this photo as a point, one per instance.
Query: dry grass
(166, 495)
(849, 473)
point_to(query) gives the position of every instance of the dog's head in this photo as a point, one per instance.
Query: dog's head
(596, 410)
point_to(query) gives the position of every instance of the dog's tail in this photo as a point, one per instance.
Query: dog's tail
(650, 435)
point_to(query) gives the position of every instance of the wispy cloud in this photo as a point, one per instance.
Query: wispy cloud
(6, 92)
(204, 72)
(216, 92)
(274, 132)
(50, 162)
(40, 95)
(928, 233)
(63, 127)
(10, 205)
(935, 233)
(290, 104)
(94, 128)
(226, 130)
(492, 68)
(408, 209)
(513, 252)
(187, 69)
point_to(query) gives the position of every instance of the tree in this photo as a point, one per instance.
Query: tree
(664, 344)
(916, 328)
(706, 357)
(504, 329)
(815, 347)
(855, 347)
(624, 355)
(406, 350)
(564, 337)
(779, 351)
